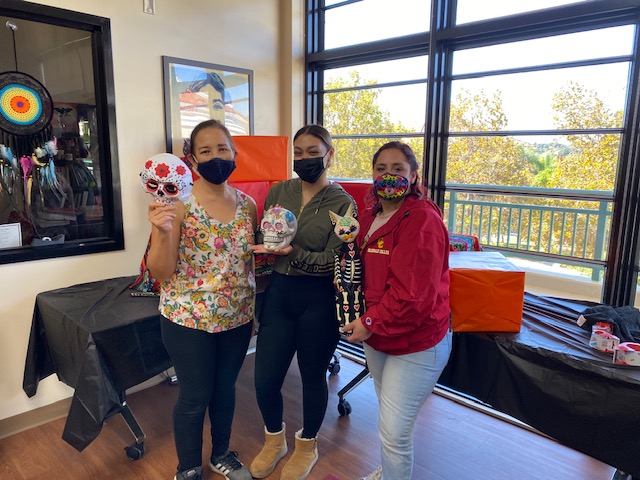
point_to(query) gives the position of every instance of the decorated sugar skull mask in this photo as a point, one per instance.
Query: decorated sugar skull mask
(278, 227)
(166, 178)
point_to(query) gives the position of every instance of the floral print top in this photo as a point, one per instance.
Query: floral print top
(213, 288)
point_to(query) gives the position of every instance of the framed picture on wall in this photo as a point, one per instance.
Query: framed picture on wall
(196, 91)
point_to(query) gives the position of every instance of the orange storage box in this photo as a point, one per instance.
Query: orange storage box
(261, 158)
(487, 292)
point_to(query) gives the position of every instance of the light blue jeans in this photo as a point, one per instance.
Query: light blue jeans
(403, 383)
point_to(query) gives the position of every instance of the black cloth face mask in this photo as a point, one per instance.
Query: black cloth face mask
(309, 169)
(216, 170)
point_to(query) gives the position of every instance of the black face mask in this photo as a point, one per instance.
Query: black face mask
(216, 170)
(309, 169)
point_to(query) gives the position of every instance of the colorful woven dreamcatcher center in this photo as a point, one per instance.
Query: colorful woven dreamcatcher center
(26, 110)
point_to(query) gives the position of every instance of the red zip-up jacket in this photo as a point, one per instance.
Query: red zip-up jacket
(406, 278)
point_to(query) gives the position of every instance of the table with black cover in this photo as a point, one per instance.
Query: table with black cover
(548, 377)
(100, 341)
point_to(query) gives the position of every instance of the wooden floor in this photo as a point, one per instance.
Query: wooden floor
(451, 441)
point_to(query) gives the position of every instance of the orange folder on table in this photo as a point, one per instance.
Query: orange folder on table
(486, 293)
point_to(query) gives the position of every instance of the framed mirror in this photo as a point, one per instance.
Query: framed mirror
(59, 177)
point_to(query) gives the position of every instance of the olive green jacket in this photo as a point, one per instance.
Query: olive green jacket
(315, 242)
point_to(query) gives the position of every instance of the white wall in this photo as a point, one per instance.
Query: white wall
(265, 36)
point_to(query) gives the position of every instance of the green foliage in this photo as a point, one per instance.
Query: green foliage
(487, 160)
(586, 161)
(592, 163)
(357, 112)
(543, 164)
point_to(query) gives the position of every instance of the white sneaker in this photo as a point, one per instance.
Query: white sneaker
(375, 475)
(230, 467)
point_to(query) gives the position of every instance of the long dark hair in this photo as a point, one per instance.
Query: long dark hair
(414, 188)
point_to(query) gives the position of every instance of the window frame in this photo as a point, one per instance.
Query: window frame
(443, 37)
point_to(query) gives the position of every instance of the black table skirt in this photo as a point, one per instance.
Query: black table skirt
(548, 377)
(100, 341)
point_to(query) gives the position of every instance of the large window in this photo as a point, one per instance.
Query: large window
(473, 10)
(366, 104)
(59, 190)
(522, 111)
(356, 21)
(544, 115)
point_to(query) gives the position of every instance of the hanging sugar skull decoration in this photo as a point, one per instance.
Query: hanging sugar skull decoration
(278, 227)
(166, 178)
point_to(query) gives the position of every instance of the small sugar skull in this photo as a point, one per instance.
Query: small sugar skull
(278, 227)
(166, 178)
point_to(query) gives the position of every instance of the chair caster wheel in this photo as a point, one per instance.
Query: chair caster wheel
(334, 365)
(135, 451)
(344, 408)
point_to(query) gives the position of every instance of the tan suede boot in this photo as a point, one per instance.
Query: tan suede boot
(275, 447)
(303, 459)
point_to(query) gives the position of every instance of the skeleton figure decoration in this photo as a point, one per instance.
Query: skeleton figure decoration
(348, 269)
(278, 227)
(166, 178)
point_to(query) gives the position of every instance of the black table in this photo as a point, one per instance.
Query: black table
(100, 341)
(548, 377)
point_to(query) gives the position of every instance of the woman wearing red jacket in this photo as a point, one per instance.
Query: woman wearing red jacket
(406, 327)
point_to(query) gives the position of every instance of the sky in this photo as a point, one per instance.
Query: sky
(526, 96)
(368, 20)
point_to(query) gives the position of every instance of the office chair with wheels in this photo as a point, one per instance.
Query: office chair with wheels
(354, 352)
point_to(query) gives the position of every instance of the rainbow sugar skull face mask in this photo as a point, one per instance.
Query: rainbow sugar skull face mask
(389, 186)
(166, 178)
(278, 227)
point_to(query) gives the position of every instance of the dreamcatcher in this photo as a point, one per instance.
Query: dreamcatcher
(27, 149)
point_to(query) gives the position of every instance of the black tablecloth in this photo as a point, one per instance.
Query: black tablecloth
(548, 377)
(98, 340)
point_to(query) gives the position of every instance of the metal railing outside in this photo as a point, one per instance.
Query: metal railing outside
(565, 226)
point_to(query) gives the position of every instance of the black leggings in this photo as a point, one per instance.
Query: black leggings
(207, 366)
(298, 315)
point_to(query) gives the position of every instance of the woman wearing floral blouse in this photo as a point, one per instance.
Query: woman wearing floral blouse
(201, 253)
